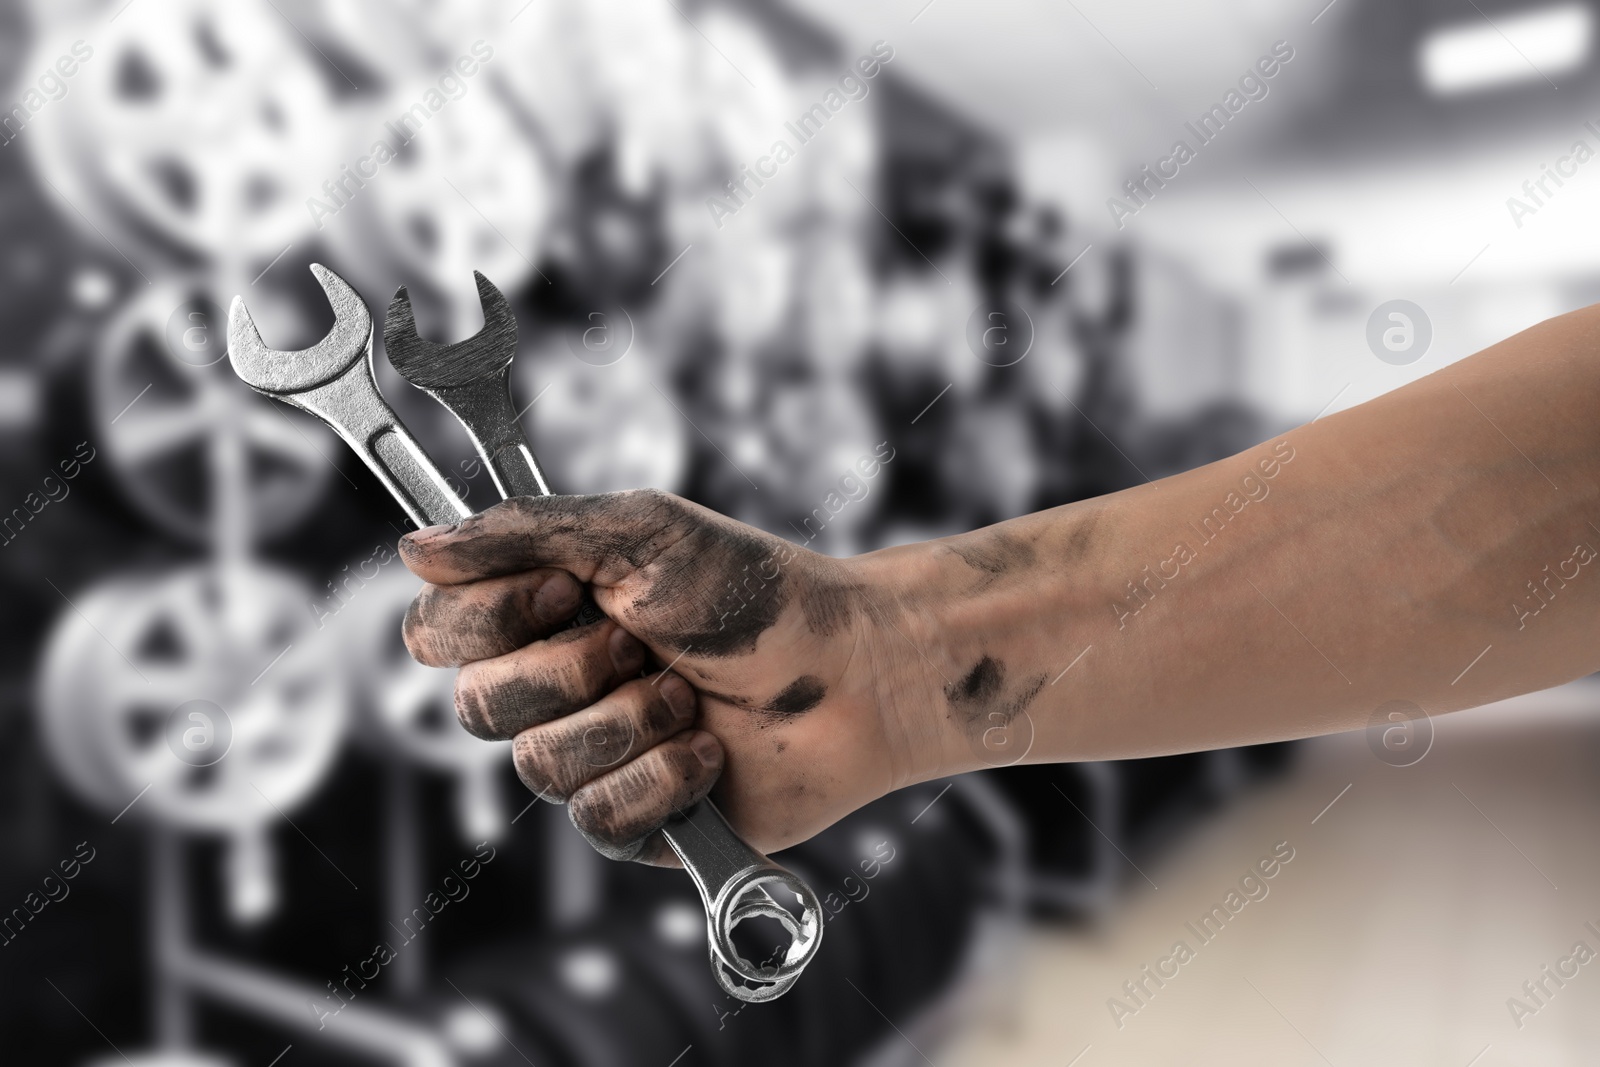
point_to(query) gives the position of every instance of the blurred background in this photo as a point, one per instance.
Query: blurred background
(748, 243)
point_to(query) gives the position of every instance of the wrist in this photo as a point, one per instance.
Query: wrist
(975, 628)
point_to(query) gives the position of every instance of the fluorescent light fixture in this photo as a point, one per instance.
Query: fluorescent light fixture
(1526, 46)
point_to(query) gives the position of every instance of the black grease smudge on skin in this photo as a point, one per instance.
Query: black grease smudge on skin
(1019, 704)
(618, 531)
(495, 703)
(506, 708)
(977, 696)
(993, 554)
(828, 604)
(799, 696)
(719, 696)
(980, 686)
(616, 811)
(692, 603)
(1083, 532)
(451, 625)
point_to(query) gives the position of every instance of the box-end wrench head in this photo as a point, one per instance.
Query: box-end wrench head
(735, 881)
(472, 379)
(333, 381)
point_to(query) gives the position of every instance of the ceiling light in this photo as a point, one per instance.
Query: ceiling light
(1482, 54)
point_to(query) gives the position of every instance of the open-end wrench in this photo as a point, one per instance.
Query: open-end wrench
(333, 381)
(471, 379)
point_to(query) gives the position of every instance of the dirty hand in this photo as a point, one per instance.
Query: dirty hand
(779, 678)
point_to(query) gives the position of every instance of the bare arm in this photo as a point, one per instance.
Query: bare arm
(1286, 591)
(1369, 556)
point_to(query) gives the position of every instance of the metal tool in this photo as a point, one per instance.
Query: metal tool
(471, 379)
(333, 381)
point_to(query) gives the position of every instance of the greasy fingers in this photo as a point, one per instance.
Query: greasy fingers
(498, 698)
(599, 538)
(448, 625)
(558, 758)
(620, 811)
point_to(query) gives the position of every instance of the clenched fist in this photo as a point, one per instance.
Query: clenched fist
(727, 658)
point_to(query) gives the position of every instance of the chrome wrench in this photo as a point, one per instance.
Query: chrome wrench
(333, 381)
(472, 380)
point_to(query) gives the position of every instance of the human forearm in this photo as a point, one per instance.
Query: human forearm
(1288, 590)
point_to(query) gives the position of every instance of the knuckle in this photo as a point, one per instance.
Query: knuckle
(593, 809)
(604, 737)
(655, 510)
(584, 666)
(515, 507)
(540, 768)
(657, 717)
(471, 705)
(626, 804)
(648, 498)
(497, 703)
(415, 630)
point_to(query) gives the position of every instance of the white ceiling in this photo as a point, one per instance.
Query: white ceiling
(1124, 67)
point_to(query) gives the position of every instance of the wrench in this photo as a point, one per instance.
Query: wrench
(333, 381)
(471, 379)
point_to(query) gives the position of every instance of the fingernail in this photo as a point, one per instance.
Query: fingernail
(556, 599)
(428, 533)
(678, 694)
(707, 748)
(626, 652)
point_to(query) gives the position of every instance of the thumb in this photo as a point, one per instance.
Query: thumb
(599, 539)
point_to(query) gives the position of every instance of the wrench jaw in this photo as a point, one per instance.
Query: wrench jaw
(433, 367)
(276, 373)
(333, 380)
(737, 883)
(472, 379)
(749, 897)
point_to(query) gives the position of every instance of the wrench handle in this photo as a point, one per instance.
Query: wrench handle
(484, 407)
(413, 479)
(352, 406)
